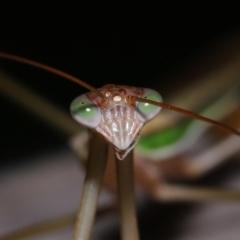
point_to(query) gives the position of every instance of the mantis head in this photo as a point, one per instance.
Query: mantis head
(117, 118)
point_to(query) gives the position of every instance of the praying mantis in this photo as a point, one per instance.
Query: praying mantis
(149, 188)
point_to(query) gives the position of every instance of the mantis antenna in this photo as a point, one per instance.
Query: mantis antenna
(187, 113)
(52, 70)
(131, 99)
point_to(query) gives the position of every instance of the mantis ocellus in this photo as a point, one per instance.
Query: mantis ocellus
(169, 197)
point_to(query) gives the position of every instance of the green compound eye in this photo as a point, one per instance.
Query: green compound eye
(147, 111)
(85, 112)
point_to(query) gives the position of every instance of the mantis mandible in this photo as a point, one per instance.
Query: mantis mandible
(117, 96)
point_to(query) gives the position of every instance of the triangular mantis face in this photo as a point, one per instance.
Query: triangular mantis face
(120, 121)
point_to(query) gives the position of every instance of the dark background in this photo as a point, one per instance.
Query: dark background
(102, 43)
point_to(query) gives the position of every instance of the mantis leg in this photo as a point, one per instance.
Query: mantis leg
(213, 155)
(40, 229)
(125, 180)
(49, 226)
(209, 159)
(92, 186)
(153, 183)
